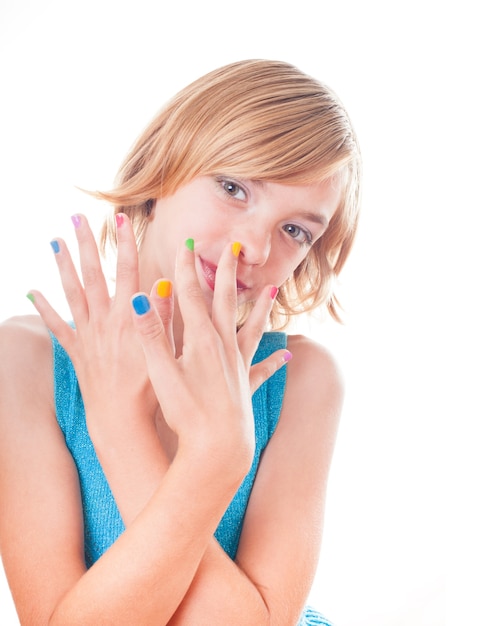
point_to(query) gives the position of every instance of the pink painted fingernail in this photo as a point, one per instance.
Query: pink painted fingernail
(287, 356)
(273, 292)
(76, 220)
(120, 219)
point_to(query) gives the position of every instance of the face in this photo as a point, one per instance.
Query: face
(276, 225)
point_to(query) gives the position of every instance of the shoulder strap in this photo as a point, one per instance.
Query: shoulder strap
(268, 399)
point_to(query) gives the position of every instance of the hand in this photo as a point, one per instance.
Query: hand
(103, 346)
(205, 393)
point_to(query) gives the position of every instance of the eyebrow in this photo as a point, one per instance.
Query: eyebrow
(317, 218)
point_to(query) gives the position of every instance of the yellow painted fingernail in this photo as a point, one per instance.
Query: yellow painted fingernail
(236, 248)
(164, 288)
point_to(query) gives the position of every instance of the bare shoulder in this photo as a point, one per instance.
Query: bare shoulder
(313, 399)
(313, 372)
(25, 362)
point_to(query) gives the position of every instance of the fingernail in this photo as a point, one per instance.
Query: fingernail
(119, 218)
(287, 356)
(30, 296)
(55, 246)
(190, 244)
(164, 289)
(141, 304)
(273, 292)
(76, 220)
(235, 248)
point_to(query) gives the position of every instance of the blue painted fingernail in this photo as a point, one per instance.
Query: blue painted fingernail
(55, 246)
(141, 304)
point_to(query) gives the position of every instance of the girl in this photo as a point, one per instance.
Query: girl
(163, 459)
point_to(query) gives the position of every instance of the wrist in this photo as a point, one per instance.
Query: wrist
(218, 459)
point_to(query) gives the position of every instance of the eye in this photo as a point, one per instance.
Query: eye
(301, 235)
(232, 188)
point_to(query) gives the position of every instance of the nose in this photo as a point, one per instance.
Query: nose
(255, 246)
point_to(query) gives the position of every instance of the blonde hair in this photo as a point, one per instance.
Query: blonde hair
(259, 120)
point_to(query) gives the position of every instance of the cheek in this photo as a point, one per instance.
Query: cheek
(284, 270)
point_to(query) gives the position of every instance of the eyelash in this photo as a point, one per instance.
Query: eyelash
(307, 235)
(225, 183)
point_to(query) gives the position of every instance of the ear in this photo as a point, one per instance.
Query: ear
(149, 209)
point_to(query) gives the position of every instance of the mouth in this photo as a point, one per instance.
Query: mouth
(209, 273)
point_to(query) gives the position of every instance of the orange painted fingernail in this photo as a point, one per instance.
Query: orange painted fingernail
(164, 288)
(236, 248)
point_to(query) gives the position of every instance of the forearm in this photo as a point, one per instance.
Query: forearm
(145, 575)
(219, 589)
(220, 594)
(134, 463)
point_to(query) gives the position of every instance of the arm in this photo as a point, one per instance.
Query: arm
(142, 577)
(41, 527)
(280, 542)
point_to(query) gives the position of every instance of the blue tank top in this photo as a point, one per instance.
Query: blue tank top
(102, 519)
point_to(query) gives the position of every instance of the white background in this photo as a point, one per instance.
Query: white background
(79, 81)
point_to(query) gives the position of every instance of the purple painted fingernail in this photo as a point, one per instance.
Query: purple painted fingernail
(287, 356)
(76, 220)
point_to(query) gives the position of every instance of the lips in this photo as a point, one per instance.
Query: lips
(209, 273)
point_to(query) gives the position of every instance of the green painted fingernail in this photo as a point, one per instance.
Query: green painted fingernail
(190, 244)
(30, 296)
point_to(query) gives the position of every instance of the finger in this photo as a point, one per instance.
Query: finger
(251, 332)
(191, 300)
(93, 279)
(225, 301)
(153, 338)
(127, 276)
(64, 333)
(260, 372)
(73, 289)
(163, 300)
